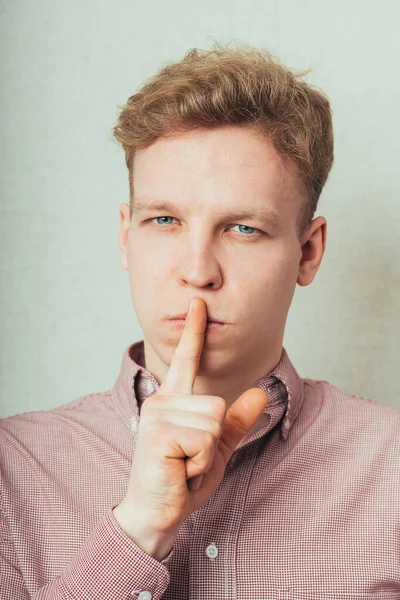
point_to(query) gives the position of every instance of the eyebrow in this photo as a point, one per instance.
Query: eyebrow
(264, 214)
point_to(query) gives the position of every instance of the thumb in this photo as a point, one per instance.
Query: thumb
(241, 418)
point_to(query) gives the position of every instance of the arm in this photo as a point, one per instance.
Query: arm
(12, 583)
(109, 565)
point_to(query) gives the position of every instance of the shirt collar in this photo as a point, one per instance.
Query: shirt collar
(134, 384)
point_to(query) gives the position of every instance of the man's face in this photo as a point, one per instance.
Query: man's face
(244, 268)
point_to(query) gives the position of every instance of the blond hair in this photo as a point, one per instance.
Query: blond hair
(235, 86)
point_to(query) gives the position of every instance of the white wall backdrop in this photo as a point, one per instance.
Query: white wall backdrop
(66, 313)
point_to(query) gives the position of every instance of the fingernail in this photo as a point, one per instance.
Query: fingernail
(191, 306)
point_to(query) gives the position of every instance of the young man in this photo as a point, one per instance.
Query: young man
(211, 469)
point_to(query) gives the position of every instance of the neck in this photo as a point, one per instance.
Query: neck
(228, 379)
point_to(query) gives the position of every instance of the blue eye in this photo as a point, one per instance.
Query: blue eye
(163, 218)
(250, 233)
(246, 227)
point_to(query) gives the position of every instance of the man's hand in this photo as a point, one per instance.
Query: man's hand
(184, 443)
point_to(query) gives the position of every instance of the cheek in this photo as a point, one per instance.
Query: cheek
(284, 273)
(275, 270)
(269, 285)
(146, 262)
(283, 280)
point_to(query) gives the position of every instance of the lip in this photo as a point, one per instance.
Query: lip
(183, 317)
(212, 326)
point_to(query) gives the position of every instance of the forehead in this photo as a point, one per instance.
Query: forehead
(209, 149)
(223, 165)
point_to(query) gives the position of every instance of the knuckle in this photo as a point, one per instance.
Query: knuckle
(150, 412)
(215, 428)
(209, 439)
(151, 402)
(219, 406)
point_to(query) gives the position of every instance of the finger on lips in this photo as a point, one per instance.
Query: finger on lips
(186, 359)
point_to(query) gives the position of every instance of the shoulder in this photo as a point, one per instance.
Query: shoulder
(352, 419)
(39, 424)
(337, 400)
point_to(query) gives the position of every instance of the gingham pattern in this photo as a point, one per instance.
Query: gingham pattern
(308, 507)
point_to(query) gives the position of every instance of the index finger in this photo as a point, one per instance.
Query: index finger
(186, 359)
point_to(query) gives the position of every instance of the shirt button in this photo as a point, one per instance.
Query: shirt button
(145, 596)
(133, 424)
(212, 551)
(286, 423)
(150, 389)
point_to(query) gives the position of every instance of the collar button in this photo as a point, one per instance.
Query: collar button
(149, 387)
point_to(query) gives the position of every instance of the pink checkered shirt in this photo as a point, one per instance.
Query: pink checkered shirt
(309, 506)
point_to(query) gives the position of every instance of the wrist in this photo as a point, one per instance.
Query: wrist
(156, 544)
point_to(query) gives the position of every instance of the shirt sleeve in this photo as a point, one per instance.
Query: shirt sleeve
(109, 565)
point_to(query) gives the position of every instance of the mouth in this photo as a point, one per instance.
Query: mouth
(182, 317)
(212, 326)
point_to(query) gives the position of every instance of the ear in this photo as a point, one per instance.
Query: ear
(313, 248)
(123, 234)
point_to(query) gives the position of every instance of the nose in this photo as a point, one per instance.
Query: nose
(200, 267)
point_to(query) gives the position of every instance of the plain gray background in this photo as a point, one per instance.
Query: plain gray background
(66, 67)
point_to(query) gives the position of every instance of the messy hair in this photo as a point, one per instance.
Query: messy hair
(235, 86)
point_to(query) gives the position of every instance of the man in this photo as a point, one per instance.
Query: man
(210, 469)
